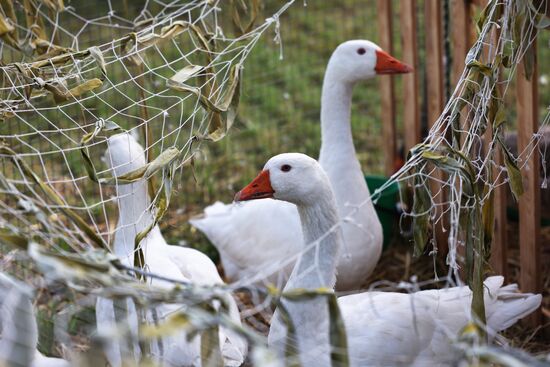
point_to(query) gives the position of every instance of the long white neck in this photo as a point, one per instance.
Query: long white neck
(343, 169)
(336, 137)
(134, 217)
(316, 268)
(317, 264)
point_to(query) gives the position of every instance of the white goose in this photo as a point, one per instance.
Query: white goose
(252, 236)
(181, 263)
(383, 328)
(19, 329)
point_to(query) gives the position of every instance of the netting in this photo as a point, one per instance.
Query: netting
(175, 78)
(170, 77)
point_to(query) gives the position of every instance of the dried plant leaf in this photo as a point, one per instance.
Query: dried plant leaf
(210, 348)
(5, 26)
(184, 74)
(500, 117)
(338, 339)
(9, 10)
(61, 94)
(55, 5)
(85, 87)
(514, 174)
(7, 33)
(529, 62)
(132, 44)
(34, 22)
(97, 55)
(176, 323)
(254, 12)
(482, 68)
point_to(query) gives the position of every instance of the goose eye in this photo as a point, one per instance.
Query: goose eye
(286, 168)
(361, 51)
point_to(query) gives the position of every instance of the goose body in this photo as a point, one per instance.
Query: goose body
(175, 262)
(256, 236)
(19, 330)
(383, 328)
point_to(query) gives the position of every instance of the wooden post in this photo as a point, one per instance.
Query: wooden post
(529, 203)
(499, 245)
(387, 94)
(435, 103)
(411, 111)
(461, 35)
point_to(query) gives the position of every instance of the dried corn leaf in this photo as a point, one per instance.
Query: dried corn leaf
(210, 348)
(60, 60)
(9, 11)
(176, 323)
(500, 117)
(223, 121)
(481, 67)
(101, 125)
(222, 115)
(132, 44)
(161, 202)
(184, 74)
(47, 50)
(55, 5)
(85, 87)
(84, 267)
(5, 26)
(529, 58)
(254, 12)
(34, 21)
(338, 339)
(514, 174)
(8, 34)
(61, 95)
(97, 55)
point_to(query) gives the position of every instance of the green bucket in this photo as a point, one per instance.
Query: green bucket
(385, 205)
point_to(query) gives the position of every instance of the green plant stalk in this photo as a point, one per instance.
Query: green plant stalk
(478, 304)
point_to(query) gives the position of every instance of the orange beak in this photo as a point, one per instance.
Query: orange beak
(387, 64)
(259, 188)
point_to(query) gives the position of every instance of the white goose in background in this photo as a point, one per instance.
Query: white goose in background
(180, 263)
(259, 235)
(19, 330)
(383, 328)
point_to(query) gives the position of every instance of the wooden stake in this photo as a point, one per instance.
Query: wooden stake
(529, 202)
(411, 111)
(387, 94)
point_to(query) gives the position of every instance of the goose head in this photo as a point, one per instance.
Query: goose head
(357, 60)
(292, 177)
(124, 154)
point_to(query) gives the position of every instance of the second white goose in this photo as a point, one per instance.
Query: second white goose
(383, 328)
(255, 237)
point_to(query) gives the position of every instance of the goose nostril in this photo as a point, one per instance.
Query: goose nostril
(255, 185)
